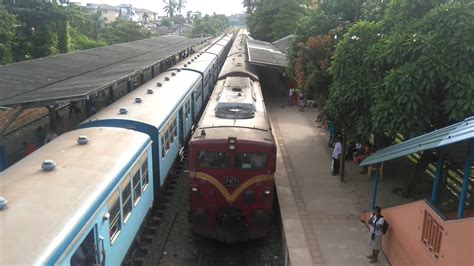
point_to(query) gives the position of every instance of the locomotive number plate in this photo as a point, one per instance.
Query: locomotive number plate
(231, 181)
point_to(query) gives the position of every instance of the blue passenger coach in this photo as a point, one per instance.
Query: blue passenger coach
(161, 108)
(92, 203)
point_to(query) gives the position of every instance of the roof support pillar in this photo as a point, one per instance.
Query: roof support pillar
(3, 156)
(129, 86)
(465, 182)
(376, 184)
(3, 163)
(152, 71)
(438, 178)
(12, 119)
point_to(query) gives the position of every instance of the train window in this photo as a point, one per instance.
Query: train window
(187, 108)
(126, 190)
(198, 92)
(250, 160)
(136, 183)
(144, 161)
(115, 224)
(211, 159)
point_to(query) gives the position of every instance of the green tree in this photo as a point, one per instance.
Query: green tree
(209, 25)
(121, 31)
(7, 35)
(274, 19)
(170, 7)
(180, 5)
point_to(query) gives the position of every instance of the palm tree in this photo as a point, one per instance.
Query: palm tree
(170, 7)
(249, 5)
(180, 5)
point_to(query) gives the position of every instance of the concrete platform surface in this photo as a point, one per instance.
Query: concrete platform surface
(320, 214)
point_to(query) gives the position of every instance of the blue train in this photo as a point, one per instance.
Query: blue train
(83, 197)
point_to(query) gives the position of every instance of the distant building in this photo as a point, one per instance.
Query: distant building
(125, 11)
(146, 16)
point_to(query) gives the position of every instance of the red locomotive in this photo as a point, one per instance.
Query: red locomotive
(232, 157)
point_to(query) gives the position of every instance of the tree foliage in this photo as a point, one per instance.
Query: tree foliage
(274, 19)
(7, 35)
(123, 31)
(209, 25)
(408, 75)
(34, 29)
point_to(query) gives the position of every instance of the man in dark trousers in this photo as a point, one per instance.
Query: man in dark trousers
(336, 156)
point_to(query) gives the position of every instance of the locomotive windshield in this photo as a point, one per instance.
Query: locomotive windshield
(211, 159)
(250, 160)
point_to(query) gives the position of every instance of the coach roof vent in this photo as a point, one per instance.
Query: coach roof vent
(123, 110)
(83, 140)
(3, 203)
(173, 74)
(149, 91)
(167, 78)
(48, 165)
(159, 84)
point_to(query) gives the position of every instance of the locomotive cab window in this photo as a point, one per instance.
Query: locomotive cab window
(211, 159)
(250, 160)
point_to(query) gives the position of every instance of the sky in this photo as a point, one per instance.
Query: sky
(227, 7)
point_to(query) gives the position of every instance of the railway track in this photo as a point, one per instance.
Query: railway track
(155, 230)
(166, 237)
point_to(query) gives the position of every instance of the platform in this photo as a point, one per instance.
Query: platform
(320, 214)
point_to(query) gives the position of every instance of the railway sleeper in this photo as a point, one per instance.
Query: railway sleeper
(139, 261)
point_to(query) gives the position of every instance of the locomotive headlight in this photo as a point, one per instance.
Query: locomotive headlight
(195, 189)
(267, 192)
(232, 142)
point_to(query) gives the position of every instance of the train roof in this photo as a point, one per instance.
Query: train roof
(237, 63)
(218, 47)
(155, 108)
(45, 208)
(219, 119)
(199, 62)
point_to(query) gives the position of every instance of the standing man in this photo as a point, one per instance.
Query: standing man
(375, 223)
(336, 156)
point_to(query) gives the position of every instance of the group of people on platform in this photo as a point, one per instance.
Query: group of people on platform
(357, 151)
(293, 97)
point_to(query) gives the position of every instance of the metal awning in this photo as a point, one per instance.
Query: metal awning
(264, 53)
(453, 139)
(283, 44)
(75, 75)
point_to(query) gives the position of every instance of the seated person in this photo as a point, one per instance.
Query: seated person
(359, 158)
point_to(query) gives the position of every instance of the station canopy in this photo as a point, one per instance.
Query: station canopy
(453, 139)
(74, 76)
(265, 54)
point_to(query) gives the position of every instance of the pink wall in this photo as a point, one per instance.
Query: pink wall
(402, 245)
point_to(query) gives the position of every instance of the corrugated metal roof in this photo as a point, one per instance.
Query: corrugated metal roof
(264, 53)
(78, 74)
(283, 43)
(456, 136)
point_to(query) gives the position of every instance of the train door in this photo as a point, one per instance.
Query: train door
(181, 126)
(91, 251)
(192, 106)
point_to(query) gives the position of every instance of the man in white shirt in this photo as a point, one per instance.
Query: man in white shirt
(375, 223)
(336, 156)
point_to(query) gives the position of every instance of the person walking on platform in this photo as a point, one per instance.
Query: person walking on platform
(301, 100)
(291, 91)
(375, 223)
(336, 156)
